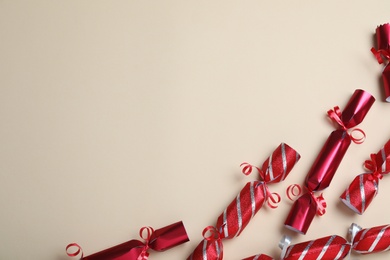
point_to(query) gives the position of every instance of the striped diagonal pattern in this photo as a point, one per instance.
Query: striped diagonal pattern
(360, 193)
(364, 187)
(370, 240)
(248, 202)
(280, 163)
(330, 247)
(241, 210)
(208, 250)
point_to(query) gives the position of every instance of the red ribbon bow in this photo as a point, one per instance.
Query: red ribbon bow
(272, 198)
(372, 166)
(335, 115)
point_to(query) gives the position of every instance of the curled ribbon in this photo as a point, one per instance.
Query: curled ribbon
(272, 198)
(213, 233)
(372, 166)
(75, 253)
(335, 115)
(149, 231)
(321, 203)
(247, 169)
(379, 53)
(295, 190)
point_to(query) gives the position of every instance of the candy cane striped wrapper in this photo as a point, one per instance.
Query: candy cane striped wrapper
(248, 202)
(364, 188)
(208, 250)
(371, 240)
(360, 193)
(259, 257)
(329, 248)
(280, 163)
(242, 209)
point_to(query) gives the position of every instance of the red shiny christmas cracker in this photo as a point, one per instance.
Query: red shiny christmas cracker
(360, 241)
(382, 54)
(328, 160)
(364, 188)
(159, 240)
(251, 198)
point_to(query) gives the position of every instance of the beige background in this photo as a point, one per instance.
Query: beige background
(121, 114)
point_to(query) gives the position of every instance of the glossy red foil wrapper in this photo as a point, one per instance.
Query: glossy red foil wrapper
(382, 33)
(386, 82)
(357, 108)
(363, 189)
(328, 160)
(383, 52)
(233, 220)
(160, 240)
(302, 213)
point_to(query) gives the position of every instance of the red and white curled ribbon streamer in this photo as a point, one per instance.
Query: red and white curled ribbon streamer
(335, 115)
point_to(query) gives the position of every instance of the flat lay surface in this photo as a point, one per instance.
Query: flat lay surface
(117, 115)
